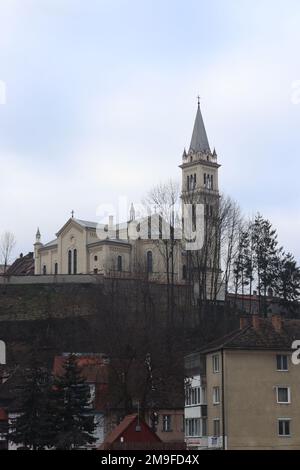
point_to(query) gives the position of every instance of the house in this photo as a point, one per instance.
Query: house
(132, 433)
(22, 266)
(242, 390)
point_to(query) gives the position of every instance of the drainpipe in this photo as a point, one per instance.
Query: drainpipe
(223, 403)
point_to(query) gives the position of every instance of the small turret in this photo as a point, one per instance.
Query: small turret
(38, 236)
(37, 258)
(132, 213)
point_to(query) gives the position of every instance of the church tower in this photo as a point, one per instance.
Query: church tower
(200, 169)
(200, 186)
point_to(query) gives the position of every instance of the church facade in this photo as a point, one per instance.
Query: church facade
(78, 248)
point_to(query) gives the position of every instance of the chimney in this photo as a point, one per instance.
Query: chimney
(256, 321)
(243, 322)
(277, 323)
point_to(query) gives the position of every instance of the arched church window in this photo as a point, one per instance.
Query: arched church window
(44, 269)
(95, 258)
(119, 263)
(149, 262)
(188, 182)
(195, 179)
(75, 261)
(56, 268)
(69, 262)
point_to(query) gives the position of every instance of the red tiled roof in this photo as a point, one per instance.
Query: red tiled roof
(93, 368)
(119, 430)
(122, 427)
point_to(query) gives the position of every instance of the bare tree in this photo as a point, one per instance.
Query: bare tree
(7, 244)
(164, 198)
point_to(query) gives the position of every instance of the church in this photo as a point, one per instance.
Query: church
(85, 247)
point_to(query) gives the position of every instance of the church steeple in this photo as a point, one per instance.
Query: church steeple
(199, 142)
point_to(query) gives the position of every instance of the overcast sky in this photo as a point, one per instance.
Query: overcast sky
(101, 100)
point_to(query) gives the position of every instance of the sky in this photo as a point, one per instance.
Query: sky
(98, 100)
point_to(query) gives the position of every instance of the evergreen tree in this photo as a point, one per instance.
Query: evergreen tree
(288, 281)
(266, 257)
(31, 428)
(70, 408)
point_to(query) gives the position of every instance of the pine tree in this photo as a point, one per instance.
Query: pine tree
(30, 428)
(266, 257)
(288, 281)
(70, 408)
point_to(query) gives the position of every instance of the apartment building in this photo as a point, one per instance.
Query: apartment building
(243, 391)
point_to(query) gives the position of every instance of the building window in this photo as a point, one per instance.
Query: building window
(149, 262)
(192, 427)
(204, 426)
(193, 396)
(216, 395)
(284, 428)
(195, 180)
(95, 258)
(95, 271)
(75, 261)
(282, 362)
(184, 272)
(44, 269)
(167, 421)
(69, 262)
(283, 395)
(188, 182)
(194, 217)
(216, 428)
(216, 363)
(119, 267)
(56, 268)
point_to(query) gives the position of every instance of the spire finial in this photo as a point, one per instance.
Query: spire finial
(72, 214)
(198, 98)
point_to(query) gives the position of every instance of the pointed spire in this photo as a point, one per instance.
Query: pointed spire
(199, 142)
(132, 213)
(38, 236)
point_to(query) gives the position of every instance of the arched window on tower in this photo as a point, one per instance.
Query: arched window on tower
(56, 268)
(44, 270)
(187, 182)
(75, 261)
(69, 262)
(149, 262)
(120, 263)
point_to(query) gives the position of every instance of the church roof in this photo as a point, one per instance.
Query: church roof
(52, 243)
(86, 223)
(199, 142)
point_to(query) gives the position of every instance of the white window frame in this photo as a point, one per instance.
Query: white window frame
(284, 419)
(287, 360)
(288, 393)
(216, 370)
(216, 395)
